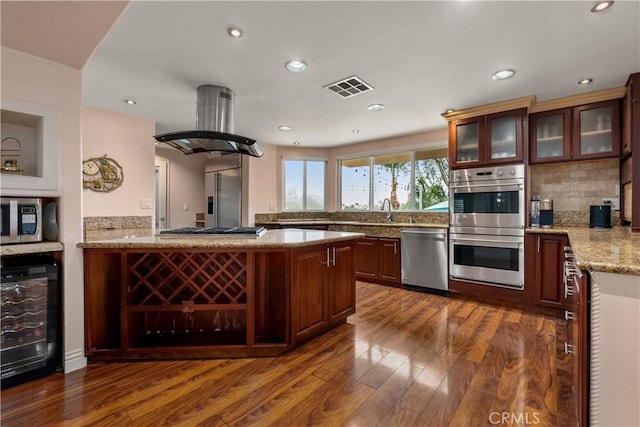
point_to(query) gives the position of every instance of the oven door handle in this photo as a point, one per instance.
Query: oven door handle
(499, 187)
(490, 242)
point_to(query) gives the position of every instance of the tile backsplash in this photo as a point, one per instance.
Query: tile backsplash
(574, 186)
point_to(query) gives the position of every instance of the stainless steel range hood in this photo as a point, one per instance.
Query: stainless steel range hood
(214, 127)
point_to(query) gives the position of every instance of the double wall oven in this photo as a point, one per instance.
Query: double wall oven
(487, 221)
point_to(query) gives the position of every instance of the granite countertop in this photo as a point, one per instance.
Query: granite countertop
(612, 250)
(30, 248)
(272, 239)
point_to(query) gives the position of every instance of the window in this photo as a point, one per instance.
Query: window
(414, 180)
(304, 182)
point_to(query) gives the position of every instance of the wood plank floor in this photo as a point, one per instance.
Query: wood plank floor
(404, 359)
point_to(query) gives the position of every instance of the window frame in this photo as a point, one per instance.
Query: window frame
(371, 156)
(325, 161)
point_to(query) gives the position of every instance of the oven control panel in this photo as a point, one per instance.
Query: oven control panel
(488, 174)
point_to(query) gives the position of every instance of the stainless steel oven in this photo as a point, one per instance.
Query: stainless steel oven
(487, 256)
(487, 197)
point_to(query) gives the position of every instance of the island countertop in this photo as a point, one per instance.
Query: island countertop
(271, 239)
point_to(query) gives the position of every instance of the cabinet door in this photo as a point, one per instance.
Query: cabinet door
(308, 294)
(504, 137)
(550, 136)
(389, 260)
(367, 258)
(341, 286)
(596, 130)
(548, 265)
(465, 142)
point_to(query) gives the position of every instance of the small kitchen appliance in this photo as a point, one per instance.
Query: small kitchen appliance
(546, 213)
(600, 216)
(534, 212)
(21, 220)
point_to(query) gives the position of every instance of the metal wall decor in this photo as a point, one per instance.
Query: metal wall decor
(101, 174)
(11, 155)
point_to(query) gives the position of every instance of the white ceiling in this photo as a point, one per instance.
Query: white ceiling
(420, 56)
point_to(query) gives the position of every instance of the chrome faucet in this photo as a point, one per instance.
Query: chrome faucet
(388, 201)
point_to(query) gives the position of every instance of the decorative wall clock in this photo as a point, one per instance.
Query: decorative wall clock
(102, 174)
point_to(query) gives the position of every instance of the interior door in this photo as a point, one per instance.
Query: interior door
(162, 195)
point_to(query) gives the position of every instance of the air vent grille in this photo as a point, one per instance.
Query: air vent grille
(350, 86)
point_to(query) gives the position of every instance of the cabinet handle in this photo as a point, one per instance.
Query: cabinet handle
(538, 244)
(395, 248)
(334, 256)
(327, 262)
(569, 315)
(568, 348)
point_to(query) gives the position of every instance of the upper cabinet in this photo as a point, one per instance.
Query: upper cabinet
(581, 127)
(29, 155)
(488, 135)
(584, 132)
(631, 115)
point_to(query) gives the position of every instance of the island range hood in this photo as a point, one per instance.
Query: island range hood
(214, 127)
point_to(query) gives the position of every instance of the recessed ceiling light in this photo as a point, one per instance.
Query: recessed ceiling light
(375, 107)
(130, 102)
(601, 5)
(234, 32)
(356, 131)
(296, 143)
(296, 66)
(285, 128)
(502, 74)
(449, 110)
(585, 81)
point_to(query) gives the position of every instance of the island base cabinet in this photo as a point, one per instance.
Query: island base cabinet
(201, 303)
(322, 289)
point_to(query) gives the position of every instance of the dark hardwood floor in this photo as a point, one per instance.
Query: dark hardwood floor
(404, 359)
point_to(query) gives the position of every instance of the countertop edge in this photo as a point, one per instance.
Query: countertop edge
(31, 248)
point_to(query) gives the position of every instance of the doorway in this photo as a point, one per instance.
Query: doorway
(162, 194)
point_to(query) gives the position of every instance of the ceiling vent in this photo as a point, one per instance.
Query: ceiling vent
(350, 86)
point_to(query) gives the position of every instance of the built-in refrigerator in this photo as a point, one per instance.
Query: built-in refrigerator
(223, 188)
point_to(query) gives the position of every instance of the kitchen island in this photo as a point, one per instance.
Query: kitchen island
(171, 296)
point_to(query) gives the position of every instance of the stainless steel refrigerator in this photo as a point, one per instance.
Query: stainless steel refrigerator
(223, 188)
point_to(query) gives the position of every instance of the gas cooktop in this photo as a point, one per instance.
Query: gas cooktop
(236, 231)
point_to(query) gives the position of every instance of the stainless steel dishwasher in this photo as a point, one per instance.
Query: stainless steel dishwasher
(424, 259)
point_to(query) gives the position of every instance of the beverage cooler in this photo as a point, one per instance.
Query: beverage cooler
(29, 319)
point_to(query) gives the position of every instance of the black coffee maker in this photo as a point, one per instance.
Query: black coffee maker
(600, 216)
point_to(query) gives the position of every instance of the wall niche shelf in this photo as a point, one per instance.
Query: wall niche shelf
(34, 169)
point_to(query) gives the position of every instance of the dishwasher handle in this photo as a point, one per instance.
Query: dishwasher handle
(437, 232)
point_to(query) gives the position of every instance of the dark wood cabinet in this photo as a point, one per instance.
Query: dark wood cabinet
(389, 263)
(590, 131)
(544, 268)
(575, 343)
(322, 290)
(487, 140)
(630, 168)
(378, 260)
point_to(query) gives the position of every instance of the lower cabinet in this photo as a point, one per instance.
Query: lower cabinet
(378, 260)
(575, 285)
(544, 268)
(322, 290)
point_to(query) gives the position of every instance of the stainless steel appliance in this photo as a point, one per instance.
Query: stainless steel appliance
(21, 220)
(487, 220)
(487, 197)
(487, 257)
(29, 319)
(424, 259)
(223, 188)
(546, 213)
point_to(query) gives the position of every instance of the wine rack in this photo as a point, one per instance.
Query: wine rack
(178, 299)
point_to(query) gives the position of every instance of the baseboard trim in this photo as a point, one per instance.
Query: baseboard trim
(74, 360)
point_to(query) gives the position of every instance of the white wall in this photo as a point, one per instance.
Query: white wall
(260, 184)
(29, 78)
(186, 185)
(128, 140)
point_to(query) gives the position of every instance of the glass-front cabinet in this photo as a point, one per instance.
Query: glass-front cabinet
(597, 131)
(485, 140)
(550, 136)
(590, 131)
